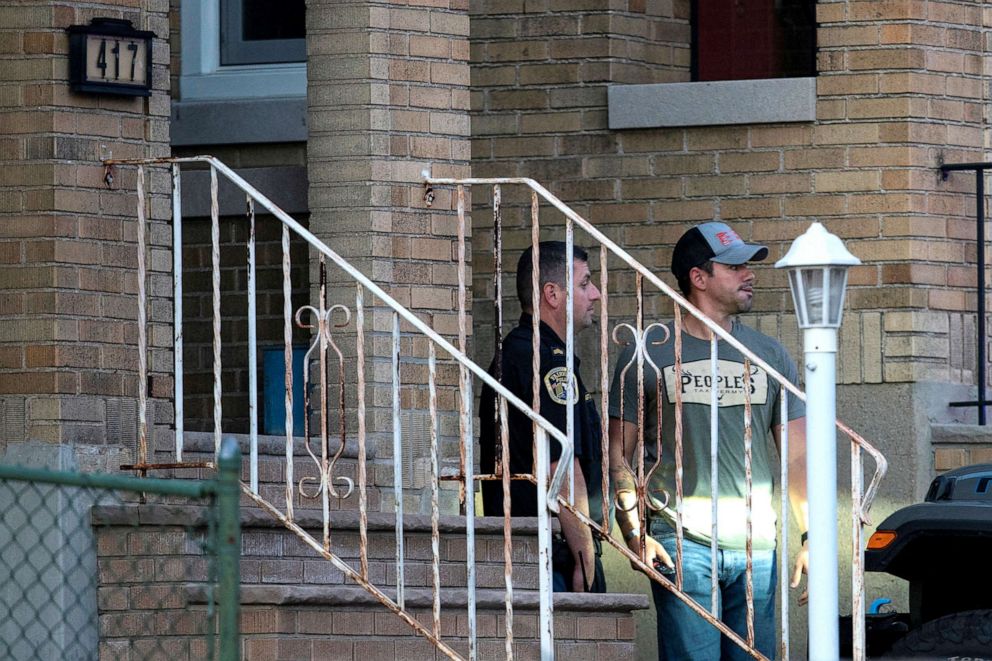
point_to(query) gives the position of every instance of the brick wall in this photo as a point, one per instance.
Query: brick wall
(388, 97)
(899, 91)
(198, 306)
(67, 242)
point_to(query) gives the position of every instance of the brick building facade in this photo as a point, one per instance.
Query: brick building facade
(595, 99)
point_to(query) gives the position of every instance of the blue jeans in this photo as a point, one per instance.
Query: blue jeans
(685, 636)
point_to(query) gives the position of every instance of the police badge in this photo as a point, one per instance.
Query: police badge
(557, 386)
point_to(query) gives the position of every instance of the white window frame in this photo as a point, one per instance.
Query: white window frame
(203, 77)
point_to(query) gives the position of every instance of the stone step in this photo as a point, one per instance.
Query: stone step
(295, 605)
(273, 554)
(958, 445)
(956, 434)
(310, 623)
(199, 448)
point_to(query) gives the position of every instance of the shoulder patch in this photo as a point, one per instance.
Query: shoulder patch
(557, 352)
(558, 387)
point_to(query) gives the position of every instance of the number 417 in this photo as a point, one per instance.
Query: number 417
(115, 51)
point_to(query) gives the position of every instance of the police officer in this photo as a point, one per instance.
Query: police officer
(575, 555)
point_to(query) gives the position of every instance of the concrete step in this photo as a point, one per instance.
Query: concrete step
(295, 605)
(349, 623)
(273, 554)
(961, 434)
(199, 448)
(955, 446)
(308, 623)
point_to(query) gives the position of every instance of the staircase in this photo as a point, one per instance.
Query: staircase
(298, 606)
(338, 568)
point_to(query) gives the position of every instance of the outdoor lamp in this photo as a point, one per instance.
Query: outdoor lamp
(818, 264)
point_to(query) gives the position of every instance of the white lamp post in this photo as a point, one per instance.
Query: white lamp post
(818, 263)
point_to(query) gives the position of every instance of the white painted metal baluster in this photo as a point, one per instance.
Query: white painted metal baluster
(464, 488)
(604, 385)
(363, 524)
(784, 572)
(466, 397)
(215, 281)
(287, 336)
(501, 424)
(177, 308)
(679, 455)
(323, 329)
(466, 442)
(714, 470)
(435, 511)
(544, 545)
(398, 463)
(542, 464)
(571, 380)
(252, 355)
(857, 556)
(142, 322)
(748, 480)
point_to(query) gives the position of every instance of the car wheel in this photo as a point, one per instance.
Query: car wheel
(968, 633)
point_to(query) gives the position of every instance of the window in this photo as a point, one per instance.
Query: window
(243, 72)
(753, 39)
(263, 32)
(238, 49)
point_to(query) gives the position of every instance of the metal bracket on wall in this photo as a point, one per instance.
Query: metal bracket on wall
(981, 369)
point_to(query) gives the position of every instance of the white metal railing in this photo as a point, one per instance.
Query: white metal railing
(861, 498)
(323, 342)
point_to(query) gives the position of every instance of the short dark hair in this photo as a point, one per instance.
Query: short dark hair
(552, 265)
(683, 278)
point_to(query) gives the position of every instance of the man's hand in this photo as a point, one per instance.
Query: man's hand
(654, 552)
(802, 567)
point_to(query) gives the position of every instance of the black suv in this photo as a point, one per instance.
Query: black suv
(943, 547)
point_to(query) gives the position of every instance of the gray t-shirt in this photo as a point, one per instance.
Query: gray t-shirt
(694, 381)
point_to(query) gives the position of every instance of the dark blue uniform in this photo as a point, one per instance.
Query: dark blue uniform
(517, 377)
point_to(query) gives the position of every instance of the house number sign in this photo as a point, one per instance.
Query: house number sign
(109, 56)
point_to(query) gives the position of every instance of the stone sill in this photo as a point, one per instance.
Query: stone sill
(722, 103)
(336, 595)
(253, 517)
(961, 434)
(239, 121)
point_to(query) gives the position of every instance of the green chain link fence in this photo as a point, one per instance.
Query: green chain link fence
(98, 566)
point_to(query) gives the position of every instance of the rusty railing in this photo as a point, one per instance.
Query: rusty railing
(861, 498)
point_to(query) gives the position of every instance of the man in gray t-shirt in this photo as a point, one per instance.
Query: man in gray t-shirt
(710, 264)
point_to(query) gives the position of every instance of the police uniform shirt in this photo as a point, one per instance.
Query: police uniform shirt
(517, 377)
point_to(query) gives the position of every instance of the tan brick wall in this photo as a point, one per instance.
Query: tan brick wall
(197, 313)
(899, 91)
(198, 355)
(388, 96)
(68, 279)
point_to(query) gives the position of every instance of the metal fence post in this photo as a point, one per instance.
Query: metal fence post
(229, 549)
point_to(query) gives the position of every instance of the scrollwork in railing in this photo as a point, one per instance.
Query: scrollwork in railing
(640, 355)
(324, 339)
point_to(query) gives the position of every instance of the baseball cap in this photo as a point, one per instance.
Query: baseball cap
(713, 241)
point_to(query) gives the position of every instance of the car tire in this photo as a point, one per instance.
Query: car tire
(968, 633)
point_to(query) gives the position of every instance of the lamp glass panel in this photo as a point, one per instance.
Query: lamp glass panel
(798, 297)
(812, 280)
(838, 282)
